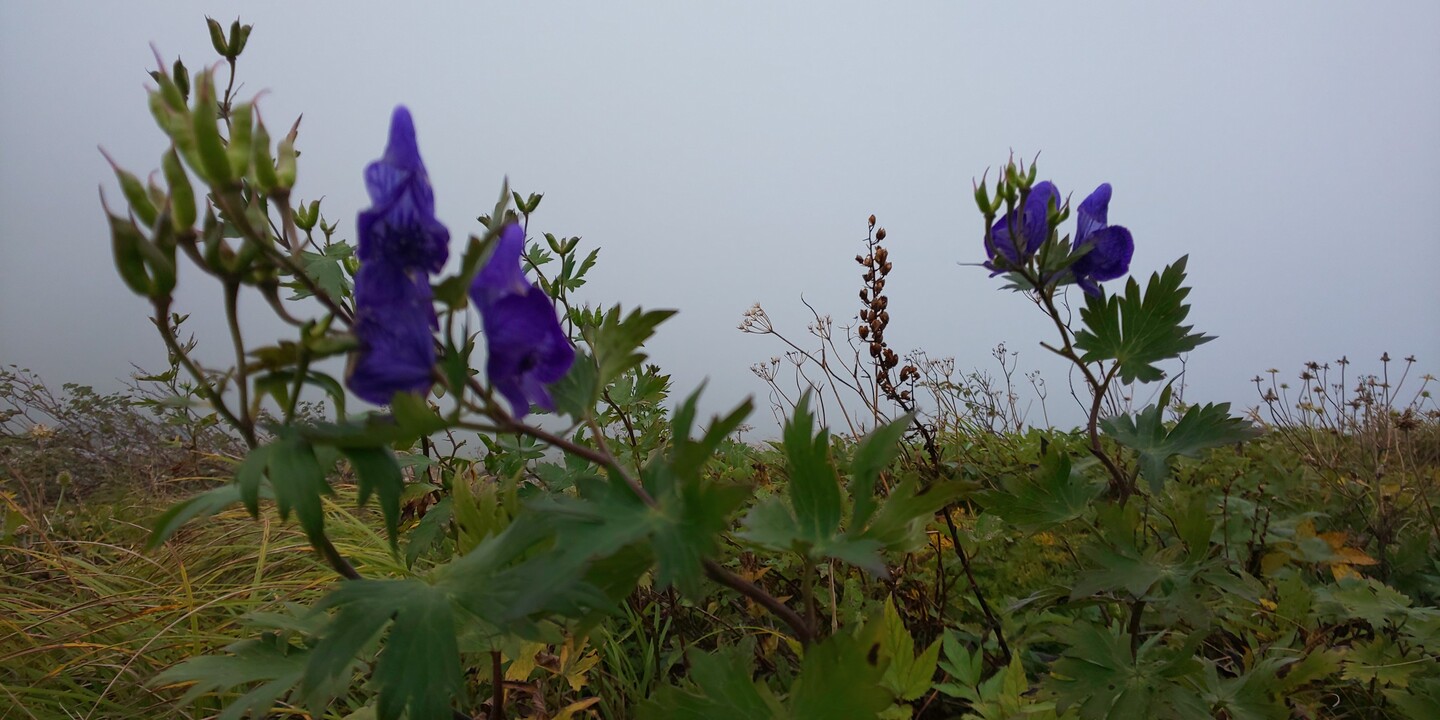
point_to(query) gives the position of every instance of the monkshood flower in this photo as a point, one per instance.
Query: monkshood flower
(395, 324)
(527, 348)
(1018, 247)
(400, 227)
(1111, 246)
(401, 243)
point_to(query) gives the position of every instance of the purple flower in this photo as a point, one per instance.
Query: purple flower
(395, 323)
(401, 243)
(1018, 248)
(400, 227)
(527, 348)
(1110, 245)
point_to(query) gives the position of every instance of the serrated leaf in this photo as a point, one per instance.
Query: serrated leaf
(841, 678)
(1053, 494)
(814, 487)
(298, 481)
(1201, 428)
(378, 473)
(1139, 331)
(873, 454)
(273, 664)
(577, 392)
(616, 342)
(722, 690)
(907, 676)
(419, 666)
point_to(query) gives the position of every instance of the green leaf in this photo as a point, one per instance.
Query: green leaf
(1138, 332)
(327, 271)
(1381, 660)
(899, 524)
(907, 676)
(1420, 702)
(616, 343)
(1055, 493)
(299, 482)
(576, 393)
(249, 476)
(269, 661)
(873, 454)
(814, 488)
(723, 690)
(841, 678)
(1201, 428)
(419, 666)
(428, 531)
(203, 505)
(378, 473)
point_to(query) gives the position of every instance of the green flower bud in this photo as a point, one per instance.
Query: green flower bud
(214, 162)
(242, 120)
(134, 191)
(264, 163)
(285, 163)
(217, 37)
(182, 195)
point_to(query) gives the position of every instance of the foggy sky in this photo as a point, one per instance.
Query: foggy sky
(724, 154)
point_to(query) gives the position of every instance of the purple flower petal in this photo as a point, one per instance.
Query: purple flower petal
(1110, 251)
(1092, 213)
(502, 274)
(1034, 224)
(394, 322)
(400, 227)
(528, 349)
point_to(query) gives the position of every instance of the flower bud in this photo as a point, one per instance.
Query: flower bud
(217, 37)
(182, 195)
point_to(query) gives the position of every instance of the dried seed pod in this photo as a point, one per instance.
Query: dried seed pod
(880, 234)
(885, 269)
(859, 259)
(875, 349)
(864, 331)
(882, 302)
(864, 296)
(881, 254)
(872, 221)
(884, 318)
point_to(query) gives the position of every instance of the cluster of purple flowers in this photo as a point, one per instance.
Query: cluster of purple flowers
(401, 244)
(1107, 248)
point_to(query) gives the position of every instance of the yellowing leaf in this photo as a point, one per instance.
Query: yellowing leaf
(524, 662)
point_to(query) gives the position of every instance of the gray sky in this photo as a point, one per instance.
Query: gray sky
(728, 153)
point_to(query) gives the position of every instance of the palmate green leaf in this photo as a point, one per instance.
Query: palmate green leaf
(298, 480)
(273, 664)
(577, 392)
(327, 271)
(722, 690)
(1054, 493)
(1139, 331)
(907, 676)
(841, 678)
(1381, 660)
(1421, 701)
(378, 473)
(1100, 675)
(898, 525)
(873, 454)
(1201, 428)
(418, 670)
(616, 342)
(814, 487)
